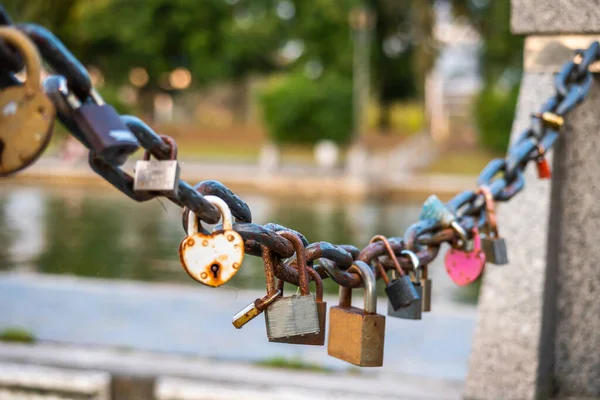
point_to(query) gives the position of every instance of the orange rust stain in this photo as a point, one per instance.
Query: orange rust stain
(190, 242)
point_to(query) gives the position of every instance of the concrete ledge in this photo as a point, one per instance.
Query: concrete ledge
(555, 16)
(33, 382)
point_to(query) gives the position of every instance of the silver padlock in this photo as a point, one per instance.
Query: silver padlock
(158, 176)
(298, 314)
(492, 244)
(434, 209)
(215, 258)
(413, 311)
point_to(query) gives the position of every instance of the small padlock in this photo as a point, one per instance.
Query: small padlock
(492, 244)
(427, 288)
(215, 258)
(256, 308)
(434, 209)
(158, 176)
(357, 335)
(27, 115)
(102, 126)
(414, 310)
(542, 165)
(294, 315)
(317, 338)
(464, 267)
(400, 292)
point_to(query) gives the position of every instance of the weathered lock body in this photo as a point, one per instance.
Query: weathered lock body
(316, 338)
(215, 258)
(414, 310)
(103, 128)
(400, 291)
(427, 288)
(158, 176)
(357, 335)
(294, 315)
(26, 114)
(465, 267)
(258, 306)
(492, 244)
(434, 209)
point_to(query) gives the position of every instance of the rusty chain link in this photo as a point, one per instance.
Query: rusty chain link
(503, 176)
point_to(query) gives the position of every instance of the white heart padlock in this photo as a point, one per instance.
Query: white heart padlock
(212, 259)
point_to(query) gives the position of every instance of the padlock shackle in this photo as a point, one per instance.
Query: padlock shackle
(318, 283)
(368, 283)
(381, 270)
(172, 149)
(269, 262)
(193, 226)
(391, 254)
(30, 55)
(300, 260)
(491, 226)
(415, 262)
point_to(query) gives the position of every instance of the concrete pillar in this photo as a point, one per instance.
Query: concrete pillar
(538, 328)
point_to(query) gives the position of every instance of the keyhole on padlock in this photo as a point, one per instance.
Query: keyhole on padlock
(215, 270)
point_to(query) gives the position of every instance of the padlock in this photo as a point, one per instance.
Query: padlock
(400, 292)
(317, 338)
(102, 126)
(215, 258)
(158, 176)
(492, 244)
(427, 288)
(27, 115)
(464, 267)
(257, 307)
(357, 335)
(294, 315)
(414, 310)
(542, 165)
(434, 209)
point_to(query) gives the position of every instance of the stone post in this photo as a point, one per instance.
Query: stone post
(538, 328)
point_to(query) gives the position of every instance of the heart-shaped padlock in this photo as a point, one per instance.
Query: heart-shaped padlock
(464, 267)
(215, 258)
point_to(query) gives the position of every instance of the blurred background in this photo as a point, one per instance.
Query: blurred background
(335, 118)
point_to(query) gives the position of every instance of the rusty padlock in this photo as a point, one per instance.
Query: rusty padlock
(27, 115)
(215, 258)
(357, 335)
(313, 339)
(257, 307)
(294, 315)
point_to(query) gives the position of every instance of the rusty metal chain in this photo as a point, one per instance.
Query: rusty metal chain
(503, 176)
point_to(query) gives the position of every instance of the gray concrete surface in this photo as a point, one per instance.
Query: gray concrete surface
(555, 16)
(505, 358)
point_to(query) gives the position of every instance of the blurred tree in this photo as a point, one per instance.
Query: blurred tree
(404, 51)
(501, 63)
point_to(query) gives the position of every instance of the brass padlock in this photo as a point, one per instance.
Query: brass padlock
(257, 307)
(215, 258)
(294, 315)
(492, 244)
(317, 338)
(26, 114)
(400, 291)
(357, 335)
(413, 311)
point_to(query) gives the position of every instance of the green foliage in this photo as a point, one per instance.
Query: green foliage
(495, 110)
(293, 363)
(297, 109)
(16, 335)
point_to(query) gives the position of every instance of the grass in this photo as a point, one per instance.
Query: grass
(17, 335)
(291, 363)
(463, 162)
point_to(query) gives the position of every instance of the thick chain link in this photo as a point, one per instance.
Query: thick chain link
(503, 176)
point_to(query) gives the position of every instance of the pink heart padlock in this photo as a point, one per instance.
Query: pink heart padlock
(464, 267)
